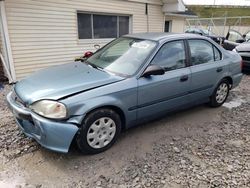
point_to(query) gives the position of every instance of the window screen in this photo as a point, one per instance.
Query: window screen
(105, 26)
(101, 26)
(84, 26)
(123, 25)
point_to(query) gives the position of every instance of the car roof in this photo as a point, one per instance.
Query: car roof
(156, 36)
(194, 29)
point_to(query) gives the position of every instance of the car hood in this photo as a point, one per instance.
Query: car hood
(244, 47)
(60, 81)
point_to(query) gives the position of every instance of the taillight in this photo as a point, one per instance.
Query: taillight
(241, 65)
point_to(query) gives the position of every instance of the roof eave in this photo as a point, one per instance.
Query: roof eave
(180, 15)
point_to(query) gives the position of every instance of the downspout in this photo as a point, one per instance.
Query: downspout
(146, 12)
(163, 25)
(6, 42)
(5, 67)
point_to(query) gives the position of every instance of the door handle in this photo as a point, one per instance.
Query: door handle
(184, 78)
(219, 69)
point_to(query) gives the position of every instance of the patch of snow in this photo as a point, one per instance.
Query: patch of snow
(233, 103)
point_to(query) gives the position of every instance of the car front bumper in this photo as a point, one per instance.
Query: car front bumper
(246, 66)
(53, 135)
(245, 60)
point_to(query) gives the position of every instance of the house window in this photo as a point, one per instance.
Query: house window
(95, 26)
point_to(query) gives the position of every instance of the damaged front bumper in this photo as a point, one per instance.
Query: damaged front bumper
(53, 135)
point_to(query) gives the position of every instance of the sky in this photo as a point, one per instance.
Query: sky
(218, 2)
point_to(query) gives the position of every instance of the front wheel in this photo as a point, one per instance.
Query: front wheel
(99, 131)
(220, 94)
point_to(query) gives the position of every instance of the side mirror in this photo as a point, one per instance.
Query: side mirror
(240, 40)
(153, 70)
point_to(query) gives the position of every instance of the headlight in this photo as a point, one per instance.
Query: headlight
(50, 109)
(234, 50)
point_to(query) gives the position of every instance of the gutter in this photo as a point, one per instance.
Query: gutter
(8, 63)
(181, 15)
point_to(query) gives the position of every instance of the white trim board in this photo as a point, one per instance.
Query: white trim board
(6, 42)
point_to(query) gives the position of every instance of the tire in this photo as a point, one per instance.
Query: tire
(99, 131)
(220, 94)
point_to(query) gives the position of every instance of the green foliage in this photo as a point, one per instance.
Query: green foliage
(222, 11)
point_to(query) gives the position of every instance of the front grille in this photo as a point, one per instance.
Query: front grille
(245, 58)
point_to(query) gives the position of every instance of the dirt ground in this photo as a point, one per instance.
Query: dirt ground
(199, 147)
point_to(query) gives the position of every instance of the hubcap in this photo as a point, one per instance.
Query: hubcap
(101, 132)
(221, 93)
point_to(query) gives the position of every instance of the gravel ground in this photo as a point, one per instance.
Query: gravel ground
(199, 147)
(13, 142)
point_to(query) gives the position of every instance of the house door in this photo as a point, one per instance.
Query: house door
(168, 25)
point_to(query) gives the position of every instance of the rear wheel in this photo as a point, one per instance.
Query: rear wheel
(220, 94)
(99, 131)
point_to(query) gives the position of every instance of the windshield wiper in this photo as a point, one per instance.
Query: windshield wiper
(94, 66)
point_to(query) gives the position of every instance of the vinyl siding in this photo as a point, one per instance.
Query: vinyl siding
(44, 32)
(156, 18)
(178, 24)
(2, 72)
(1, 44)
(1, 64)
(1, 36)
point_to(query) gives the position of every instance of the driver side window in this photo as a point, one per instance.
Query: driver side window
(171, 56)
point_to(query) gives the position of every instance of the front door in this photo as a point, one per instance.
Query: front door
(232, 40)
(162, 93)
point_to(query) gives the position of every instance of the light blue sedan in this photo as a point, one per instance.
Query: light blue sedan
(131, 80)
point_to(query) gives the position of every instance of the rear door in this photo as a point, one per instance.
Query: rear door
(207, 68)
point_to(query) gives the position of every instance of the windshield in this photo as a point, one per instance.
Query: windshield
(123, 56)
(206, 32)
(247, 36)
(200, 31)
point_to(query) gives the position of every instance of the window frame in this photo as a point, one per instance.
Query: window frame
(230, 32)
(212, 45)
(185, 53)
(92, 24)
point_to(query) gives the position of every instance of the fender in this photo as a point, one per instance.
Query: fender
(121, 95)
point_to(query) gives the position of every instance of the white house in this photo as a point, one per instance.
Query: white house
(39, 33)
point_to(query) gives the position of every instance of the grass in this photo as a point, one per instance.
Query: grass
(219, 11)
